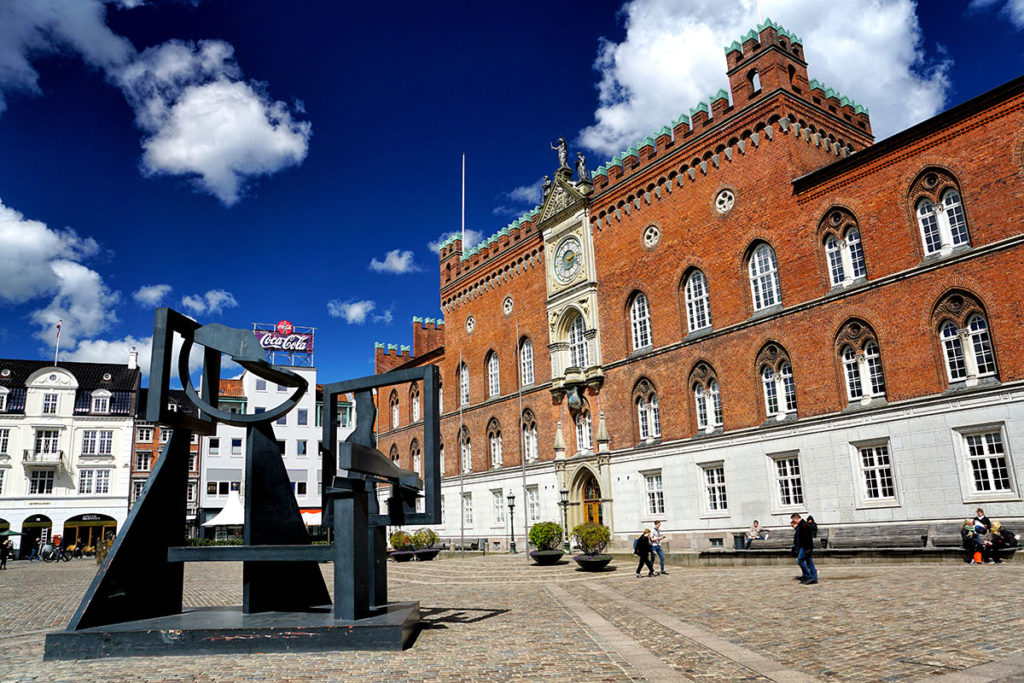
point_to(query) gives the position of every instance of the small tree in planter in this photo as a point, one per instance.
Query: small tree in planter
(546, 537)
(402, 547)
(424, 540)
(592, 539)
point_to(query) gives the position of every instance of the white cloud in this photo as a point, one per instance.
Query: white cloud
(40, 262)
(117, 350)
(387, 317)
(354, 312)
(151, 295)
(214, 301)
(526, 195)
(1012, 9)
(472, 237)
(672, 58)
(202, 119)
(397, 261)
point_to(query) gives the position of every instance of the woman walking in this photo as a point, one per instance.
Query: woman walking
(642, 547)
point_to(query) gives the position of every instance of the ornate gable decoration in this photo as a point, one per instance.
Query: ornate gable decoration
(562, 196)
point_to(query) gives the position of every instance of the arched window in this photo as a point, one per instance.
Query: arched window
(466, 451)
(648, 416)
(754, 79)
(494, 437)
(698, 309)
(707, 399)
(966, 341)
(440, 455)
(463, 385)
(834, 251)
(529, 436)
(640, 317)
(777, 383)
(578, 356)
(764, 278)
(940, 212)
(414, 451)
(394, 409)
(440, 396)
(393, 454)
(526, 362)
(493, 377)
(414, 401)
(855, 252)
(862, 362)
(584, 437)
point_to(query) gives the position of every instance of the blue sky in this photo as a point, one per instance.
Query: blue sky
(257, 161)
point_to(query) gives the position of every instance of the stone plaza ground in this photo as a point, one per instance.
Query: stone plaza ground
(499, 618)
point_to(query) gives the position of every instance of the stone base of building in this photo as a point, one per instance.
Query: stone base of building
(222, 630)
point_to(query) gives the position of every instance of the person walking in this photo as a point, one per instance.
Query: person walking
(5, 552)
(656, 538)
(804, 543)
(642, 548)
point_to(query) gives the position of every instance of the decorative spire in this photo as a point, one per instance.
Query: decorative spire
(602, 435)
(559, 443)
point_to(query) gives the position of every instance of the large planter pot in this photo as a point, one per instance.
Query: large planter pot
(402, 555)
(592, 563)
(425, 554)
(546, 556)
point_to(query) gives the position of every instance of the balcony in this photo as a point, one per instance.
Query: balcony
(43, 458)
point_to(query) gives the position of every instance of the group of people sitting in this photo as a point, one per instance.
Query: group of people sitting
(983, 539)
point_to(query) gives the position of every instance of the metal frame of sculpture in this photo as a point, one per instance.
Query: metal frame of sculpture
(134, 605)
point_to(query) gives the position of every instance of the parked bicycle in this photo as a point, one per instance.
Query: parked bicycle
(52, 553)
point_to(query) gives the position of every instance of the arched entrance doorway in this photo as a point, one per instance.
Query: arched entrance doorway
(4, 525)
(88, 530)
(592, 513)
(33, 529)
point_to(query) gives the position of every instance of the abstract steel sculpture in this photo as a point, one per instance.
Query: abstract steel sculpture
(134, 605)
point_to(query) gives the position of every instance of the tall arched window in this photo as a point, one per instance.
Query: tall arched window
(578, 356)
(640, 317)
(754, 79)
(393, 454)
(414, 401)
(698, 309)
(494, 438)
(466, 450)
(394, 409)
(843, 248)
(526, 362)
(463, 385)
(440, 396)
(529, 436)
(707, 399)
(584, 436)
(440, 455)
(764, 278)
(862, 362)
(648, 416)
(966, 342)
(777, 384)
(493, 377)
(940, 212)
(414, 451)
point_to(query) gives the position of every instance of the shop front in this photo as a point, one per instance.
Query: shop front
(89, 529)
(33, 530)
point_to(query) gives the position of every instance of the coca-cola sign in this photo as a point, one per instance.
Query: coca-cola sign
(294, 342)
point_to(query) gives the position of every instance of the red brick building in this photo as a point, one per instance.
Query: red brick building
(757, 310)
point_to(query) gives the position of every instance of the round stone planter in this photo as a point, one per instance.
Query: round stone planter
(402, 555)
(546, 556)
(425, 554)
(592, 563)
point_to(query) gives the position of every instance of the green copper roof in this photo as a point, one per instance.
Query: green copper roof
(843, 99)
(701, 106)
(647, 142)
(720, 95)
(754, 33)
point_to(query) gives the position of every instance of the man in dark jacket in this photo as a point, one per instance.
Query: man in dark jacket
(803, 538)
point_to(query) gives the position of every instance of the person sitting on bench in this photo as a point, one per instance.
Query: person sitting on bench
(755, 533)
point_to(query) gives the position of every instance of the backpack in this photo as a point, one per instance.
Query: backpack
(635, 541)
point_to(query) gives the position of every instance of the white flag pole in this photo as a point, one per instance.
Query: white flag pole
(56, 349)
(463, 202)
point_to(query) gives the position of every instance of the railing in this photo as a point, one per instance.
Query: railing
(43, 457)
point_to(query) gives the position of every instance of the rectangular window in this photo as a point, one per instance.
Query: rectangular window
(40, 482)
(2, 472)
(236, 446)
(211, 488)
(223, 487)
(283, 420)
(345, 415)
(143, 460)
(302, 417)
(300, 447)
(282, 388)
(102, 481)
(533, 504)
(499, 507)
(790, 487)
(281, 447)
(5, 440)
(300, 488)
(46, 440)
(190, 492)
(259, 410)
(987, 459)
(165, 434)
(3, 400)
(214, 446)
(85, 481)
(100, 404)
(138, 487)
(467, 509)
(655, 494)
(106, 442)
(714, 488)
(89, 442)
(261, 385)
(144, 434)
(49, 404)
(876, 466)
(193, 461)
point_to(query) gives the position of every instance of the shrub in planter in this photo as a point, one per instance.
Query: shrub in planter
(592, 539)
(546, 537)
(403, 547)
(425, 540)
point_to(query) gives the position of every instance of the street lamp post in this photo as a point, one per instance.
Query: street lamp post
(511, 519)
(565, 515)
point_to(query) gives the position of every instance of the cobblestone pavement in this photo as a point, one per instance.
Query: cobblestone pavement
(499, 618)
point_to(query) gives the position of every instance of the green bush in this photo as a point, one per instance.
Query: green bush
(402, 541)
(592, 538)
(424, 539)
(546, 535)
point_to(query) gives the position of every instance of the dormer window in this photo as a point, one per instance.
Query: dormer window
(101, 402)
(3, 399)
(49, 404)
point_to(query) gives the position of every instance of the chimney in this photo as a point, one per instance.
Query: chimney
(133, 359)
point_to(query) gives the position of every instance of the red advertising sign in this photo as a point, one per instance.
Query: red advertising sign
(284, 327)
(291, 342)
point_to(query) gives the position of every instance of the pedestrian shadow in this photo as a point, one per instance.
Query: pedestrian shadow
(433, 618)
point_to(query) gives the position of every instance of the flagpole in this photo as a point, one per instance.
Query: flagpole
(463, 202)
(56, 349)
(522, 451)
(462, 466)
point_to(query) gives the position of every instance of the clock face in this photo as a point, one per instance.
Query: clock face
(568, 259)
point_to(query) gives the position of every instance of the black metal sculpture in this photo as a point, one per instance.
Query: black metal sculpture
(134, 605)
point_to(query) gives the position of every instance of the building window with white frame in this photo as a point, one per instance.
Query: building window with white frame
(843, 249)
(394, 409)
(236, 446)
(714, 488)
(49, 404)
(101, 403)
(40, 482)
(640, 319)
(414, 451)
(494, 438)
(526, 362)
(788, 482)
(862, 369)
(2, 473)
(414, 401)
(968, 351)
(493, 375)
(987, 459)
(467, 451)
(529, 426)
(213, 446)
(137, 487)
(143, 461)
(943, 226)
(584, 442)
(648, 415)
(440, 457)
(144, 434)
(655, 495)
(532, 504)
(877, 472)
(47, 440)
(3, 399)
(698, 304)
(777, 384)
(498, 499)
(578, 354)
(463, 385)
(764, 278)
(97, 442)
(467, 509)
(165, 434)
(5, 441)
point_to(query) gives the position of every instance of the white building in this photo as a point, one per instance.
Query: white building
(66, 436)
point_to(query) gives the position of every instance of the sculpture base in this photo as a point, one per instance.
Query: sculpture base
(220, 630)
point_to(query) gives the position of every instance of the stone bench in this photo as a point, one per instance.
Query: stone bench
(913, 536)
(952, 539)
(783, 540)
